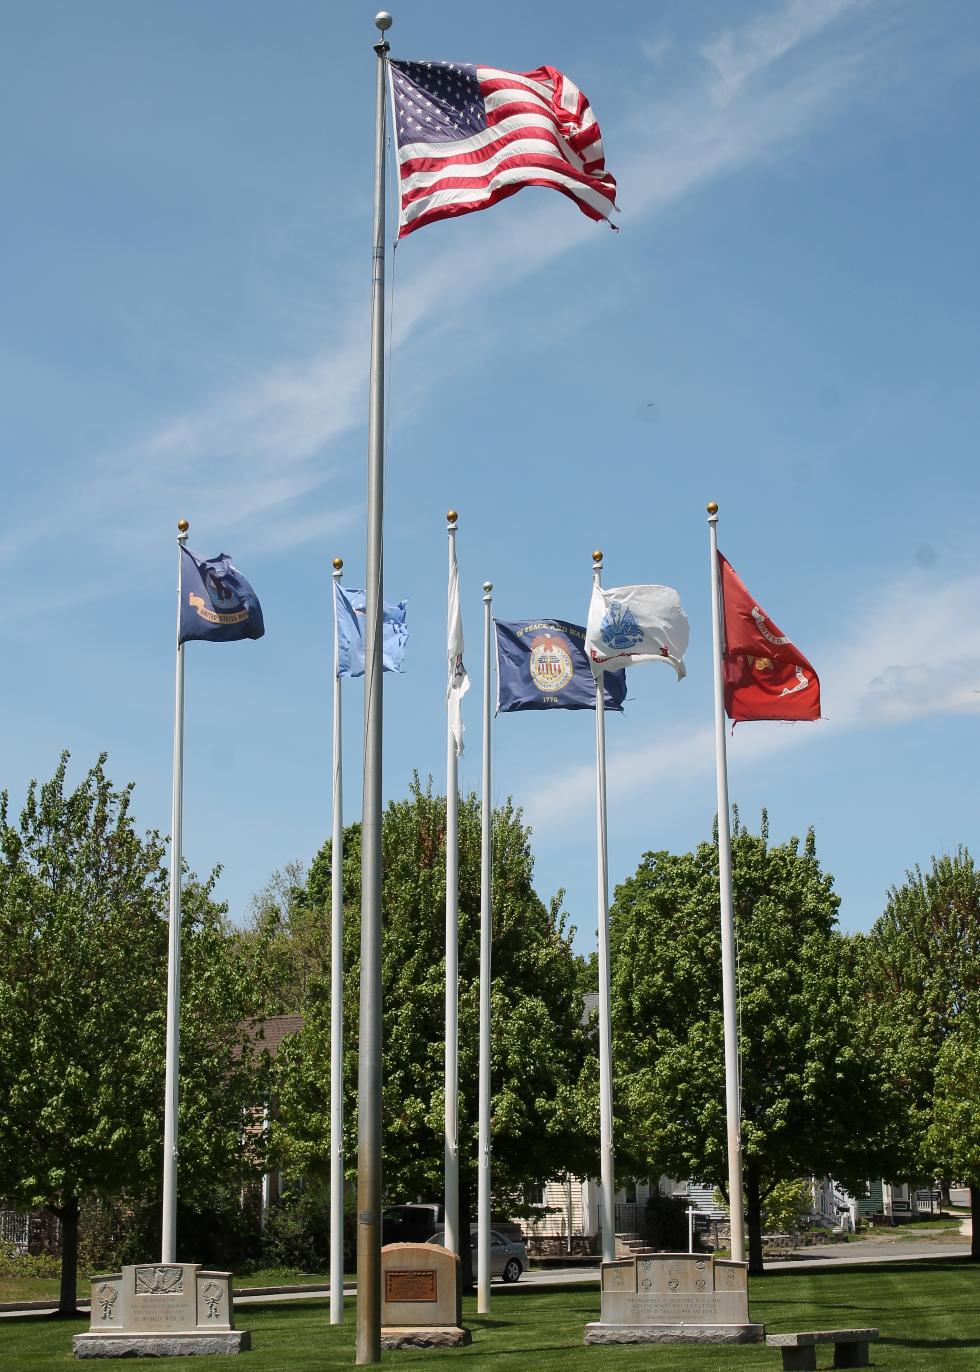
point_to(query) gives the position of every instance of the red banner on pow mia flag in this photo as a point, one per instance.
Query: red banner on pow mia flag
(766, 676)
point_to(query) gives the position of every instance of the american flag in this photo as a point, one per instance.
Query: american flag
(469, 136)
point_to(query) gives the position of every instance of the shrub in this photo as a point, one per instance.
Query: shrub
(665, 1223)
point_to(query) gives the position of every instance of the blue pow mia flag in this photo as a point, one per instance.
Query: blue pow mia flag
(541, 665)
(216, 602)
(350, 607)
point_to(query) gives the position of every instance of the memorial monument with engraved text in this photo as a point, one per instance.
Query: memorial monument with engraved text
(162, 1310)
(421, 1298)
(674, 1298)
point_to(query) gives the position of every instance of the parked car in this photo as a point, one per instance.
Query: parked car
(508, 1257)
(410, 1223)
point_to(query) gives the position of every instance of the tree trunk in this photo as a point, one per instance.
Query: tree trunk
(974, 1216)
(67, 1212)
(753, 1217)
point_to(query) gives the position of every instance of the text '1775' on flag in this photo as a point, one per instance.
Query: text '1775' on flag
(469, 136)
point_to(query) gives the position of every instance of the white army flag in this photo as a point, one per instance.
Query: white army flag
(459, 682)
(633, 624)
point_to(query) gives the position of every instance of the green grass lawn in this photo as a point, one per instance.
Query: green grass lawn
(928, 1313)
(47, 1288)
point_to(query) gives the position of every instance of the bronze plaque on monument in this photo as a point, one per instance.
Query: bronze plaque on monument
(409, 1285)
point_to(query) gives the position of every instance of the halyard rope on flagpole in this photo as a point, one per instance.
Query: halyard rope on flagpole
(369, 1179)
(728, 973)
(168, 1247)
(337, 985)
(606, 1152)
(486, 946)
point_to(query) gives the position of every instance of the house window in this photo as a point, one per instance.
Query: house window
(630, 1192)
(534, 1193)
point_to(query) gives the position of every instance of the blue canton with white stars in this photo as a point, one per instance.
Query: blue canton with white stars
(437, 102)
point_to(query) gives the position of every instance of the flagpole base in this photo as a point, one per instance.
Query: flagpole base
(440, 1336)
(600, 1333)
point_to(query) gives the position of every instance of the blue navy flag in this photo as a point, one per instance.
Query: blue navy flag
(350, 607)
(216, 602)
(541, 665)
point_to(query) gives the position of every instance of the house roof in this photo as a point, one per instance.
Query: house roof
(271, 1031)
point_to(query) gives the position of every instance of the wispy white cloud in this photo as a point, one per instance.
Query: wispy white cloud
(906, 652)
(736, 55)
(282, 432)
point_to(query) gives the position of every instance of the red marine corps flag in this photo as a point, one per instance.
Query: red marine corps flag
(766, 676)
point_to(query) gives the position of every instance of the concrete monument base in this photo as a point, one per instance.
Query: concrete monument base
(674, 1298)
(160, 1345)
(161, 1310)
(674, 1333)
(415, 1336)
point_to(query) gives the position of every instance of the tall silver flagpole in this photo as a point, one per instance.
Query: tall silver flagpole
(169, 1226)
(369, 1026)
(732, 1102)
(451, 1080)
(486, 929)
(337, 986)
(607, 1170)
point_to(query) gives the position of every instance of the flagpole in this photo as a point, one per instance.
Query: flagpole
(169, 1217)
(337, 986)
(732, 1102)
(369, 1023)
(486, 928)
(607, 1168)
(451, 1080)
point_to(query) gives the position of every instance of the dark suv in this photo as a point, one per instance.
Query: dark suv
(410, 1223)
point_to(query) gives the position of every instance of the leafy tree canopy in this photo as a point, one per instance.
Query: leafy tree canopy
(83, 959)
(537, 1043)
(921, 969)
(810, 1104)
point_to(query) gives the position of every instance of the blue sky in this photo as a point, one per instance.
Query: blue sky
(786, 323)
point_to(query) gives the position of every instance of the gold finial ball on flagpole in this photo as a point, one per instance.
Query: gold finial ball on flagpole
(488, 586)
(597, 555)
(452, 516)
(338, 563)
(383, 20)
(712, 507)
(183, 525)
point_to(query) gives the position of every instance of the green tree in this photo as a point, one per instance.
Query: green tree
(537, 1041)
(953, 1135)
(922, 977)
(809, 1102)
(293, 935)
(83, 955)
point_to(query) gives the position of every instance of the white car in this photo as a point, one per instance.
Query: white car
(508, 1259)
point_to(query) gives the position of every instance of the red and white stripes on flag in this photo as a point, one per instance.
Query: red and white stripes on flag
(469, 136)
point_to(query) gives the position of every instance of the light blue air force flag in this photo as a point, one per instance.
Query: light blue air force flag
(350, 608)
(216, 602)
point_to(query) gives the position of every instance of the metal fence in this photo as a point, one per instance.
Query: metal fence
(15, 1229)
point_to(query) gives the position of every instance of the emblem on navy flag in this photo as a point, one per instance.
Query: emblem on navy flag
(550, 663)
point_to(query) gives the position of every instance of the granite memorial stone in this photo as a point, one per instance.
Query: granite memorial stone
(161, 1309)
(674, 1298)
(421, 1300)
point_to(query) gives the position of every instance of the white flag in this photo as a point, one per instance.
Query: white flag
(459, 682)
(633, 624)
